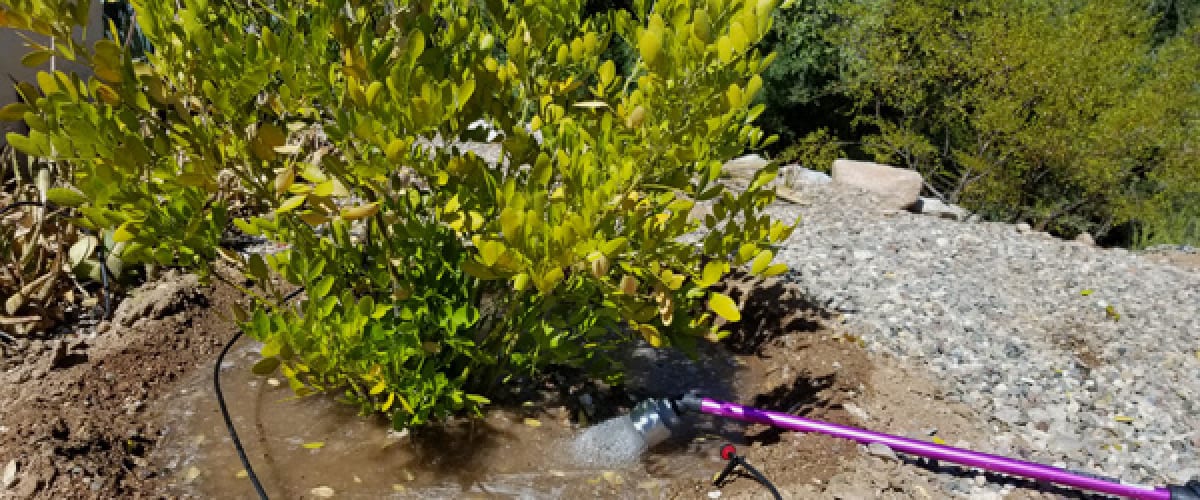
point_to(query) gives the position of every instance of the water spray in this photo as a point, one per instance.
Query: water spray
(653, 421)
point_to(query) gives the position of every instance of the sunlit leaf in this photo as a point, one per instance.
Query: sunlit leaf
(265, 366)
(724, 307)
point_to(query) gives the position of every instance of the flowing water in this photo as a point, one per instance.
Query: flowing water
(315, 446)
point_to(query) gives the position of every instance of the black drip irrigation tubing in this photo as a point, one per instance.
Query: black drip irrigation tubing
(728, 452)
(237, 442)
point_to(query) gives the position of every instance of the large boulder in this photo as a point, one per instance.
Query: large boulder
(898, 188)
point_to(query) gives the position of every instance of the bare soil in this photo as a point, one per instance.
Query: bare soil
(72, 414)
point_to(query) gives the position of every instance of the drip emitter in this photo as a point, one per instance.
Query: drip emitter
(655, 420)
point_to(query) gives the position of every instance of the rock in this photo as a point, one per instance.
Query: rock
(10, 474)
(1023, 228)
(936, 208)
(791, 175)
(744, 166)
(856, 411)
(1086, 239)
(882, 451)
(899, 188)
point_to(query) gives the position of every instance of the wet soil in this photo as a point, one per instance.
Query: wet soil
(130, 413)
(782, 359)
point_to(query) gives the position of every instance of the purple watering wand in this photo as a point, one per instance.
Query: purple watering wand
(656, 418)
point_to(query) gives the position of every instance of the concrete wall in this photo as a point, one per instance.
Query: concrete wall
(12, 49)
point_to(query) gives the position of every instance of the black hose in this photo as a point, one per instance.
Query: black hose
(729, 453)
(18, 204)
(761, 479)
(237, 443)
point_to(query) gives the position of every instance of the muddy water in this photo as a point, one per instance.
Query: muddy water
(517, 452)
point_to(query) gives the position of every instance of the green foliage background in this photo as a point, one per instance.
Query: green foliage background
(1074, 116)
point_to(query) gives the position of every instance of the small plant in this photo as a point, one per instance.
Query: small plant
(432, 276)
(816, 150)
(45, 262)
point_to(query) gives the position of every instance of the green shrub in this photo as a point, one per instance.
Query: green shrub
(1069, 115)
(432, 277)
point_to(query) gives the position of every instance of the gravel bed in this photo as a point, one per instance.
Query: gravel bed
(1082, 357)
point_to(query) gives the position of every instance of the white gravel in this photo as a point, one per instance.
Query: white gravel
(1016, 324)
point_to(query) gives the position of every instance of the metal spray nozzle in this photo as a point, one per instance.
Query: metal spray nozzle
(654, 419)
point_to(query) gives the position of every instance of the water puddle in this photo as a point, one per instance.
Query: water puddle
(315, 447)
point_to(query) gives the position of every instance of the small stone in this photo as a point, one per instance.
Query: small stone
(856, 411)
(322, 492)
(1023, 228)
(10, 474)
(882, 451)
(1086, 239)
(191, 474)
(649, 484)
(714, 494)
(863, 255)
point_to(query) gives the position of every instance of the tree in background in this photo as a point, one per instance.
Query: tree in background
(1069, 115)
(800, 92)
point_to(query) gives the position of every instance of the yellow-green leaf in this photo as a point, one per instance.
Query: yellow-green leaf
(650, 333)
(650, 45)
(452, 205)
(265, 366)
(14, 112)
(315, 445)
(360, 212)
(123, 233)
(490, 251)
(323, 189)
(477, 270)
(378, 387)
(761, 262)
(776, 269)
(724, 307)
(36, 58)
(65, 197)
(520, 282)
(608, 72)
(724, 49)
(266, 140)
(291, 203)
(284, 180)
(712, 273)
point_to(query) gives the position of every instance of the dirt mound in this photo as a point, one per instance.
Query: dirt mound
(73, 417)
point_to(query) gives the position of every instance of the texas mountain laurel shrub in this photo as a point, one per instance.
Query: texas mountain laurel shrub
(432, 276)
